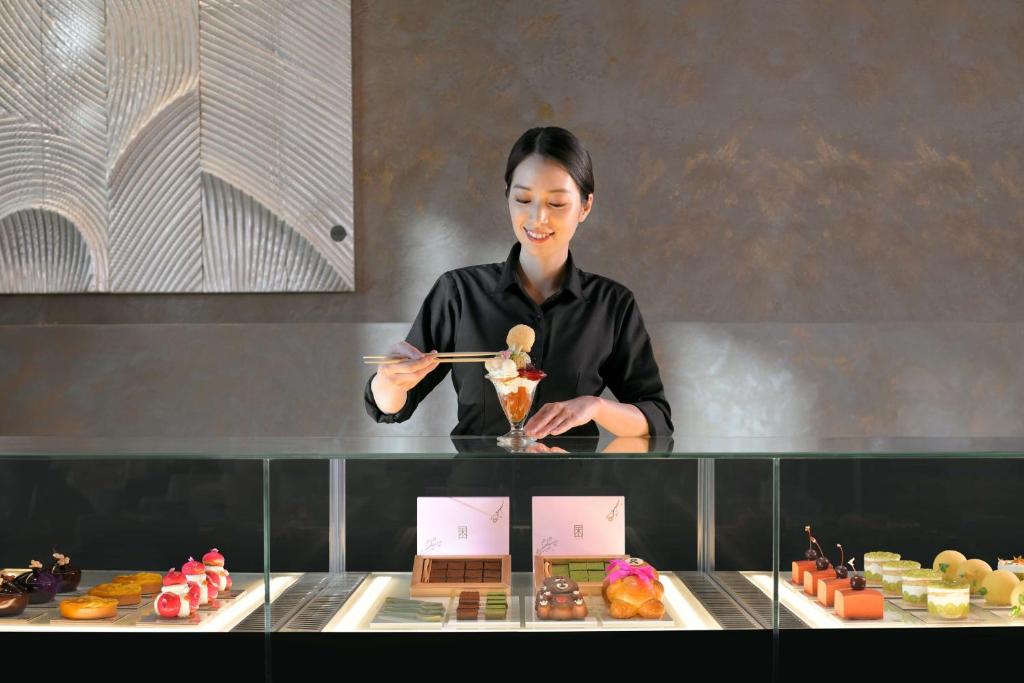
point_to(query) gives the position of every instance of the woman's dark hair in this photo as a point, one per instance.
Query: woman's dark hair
(560, 146)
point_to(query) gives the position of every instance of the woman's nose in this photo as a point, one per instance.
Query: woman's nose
(540, 215)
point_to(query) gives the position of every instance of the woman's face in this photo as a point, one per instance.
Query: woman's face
(545, 207)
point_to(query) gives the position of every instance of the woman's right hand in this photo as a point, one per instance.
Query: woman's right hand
(391, 384)
(407, 374)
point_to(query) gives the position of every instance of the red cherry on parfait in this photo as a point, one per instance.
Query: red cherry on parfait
(810, 553)
(531, 373)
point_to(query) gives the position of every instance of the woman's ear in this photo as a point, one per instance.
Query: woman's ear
(585, 209)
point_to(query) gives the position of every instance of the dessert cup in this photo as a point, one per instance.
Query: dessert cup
(516, 397)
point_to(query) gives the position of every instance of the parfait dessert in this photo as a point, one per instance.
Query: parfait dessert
(515, 378)
(873, 565)
(915, 585)
(892, 575)
(949, 599)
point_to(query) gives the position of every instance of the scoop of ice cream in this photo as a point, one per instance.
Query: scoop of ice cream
(520, 338)
(521, 359)
(501, 367)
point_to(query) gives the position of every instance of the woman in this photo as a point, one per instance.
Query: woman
(589, 333)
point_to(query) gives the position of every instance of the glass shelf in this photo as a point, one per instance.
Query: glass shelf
(442, 447)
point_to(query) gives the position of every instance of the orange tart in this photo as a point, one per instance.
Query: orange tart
(125, 592)
(89, 607)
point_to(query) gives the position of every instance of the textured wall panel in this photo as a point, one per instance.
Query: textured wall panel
(53, 136)
(156, 236)
(100, 100)
(42, 169)
(152, 60)
(316, 149)
(153, 74)
(249, 248)
(21, 44)
(41, 251)
(275, 119)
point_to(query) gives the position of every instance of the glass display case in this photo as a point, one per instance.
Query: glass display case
(439, 539)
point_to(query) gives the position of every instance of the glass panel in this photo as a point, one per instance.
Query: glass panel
(896, 517)
(122, 523)
(434, 447)
(373, 561)
(739, 545)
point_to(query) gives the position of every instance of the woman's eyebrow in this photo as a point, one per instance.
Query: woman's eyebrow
(523, 187)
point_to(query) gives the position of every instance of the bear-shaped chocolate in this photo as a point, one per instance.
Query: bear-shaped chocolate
(560, 599)
(632, 588)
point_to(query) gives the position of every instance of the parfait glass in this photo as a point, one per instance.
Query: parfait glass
(516, 397)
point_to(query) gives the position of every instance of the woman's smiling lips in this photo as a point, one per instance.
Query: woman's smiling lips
(537, 236)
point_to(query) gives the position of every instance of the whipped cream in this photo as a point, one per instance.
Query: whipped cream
(949, 602)
(499, 367)
(915, 590)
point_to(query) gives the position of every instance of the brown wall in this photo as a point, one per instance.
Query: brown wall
(853, 166)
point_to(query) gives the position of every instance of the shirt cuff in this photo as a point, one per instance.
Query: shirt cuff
(658, 423)
(378, 415)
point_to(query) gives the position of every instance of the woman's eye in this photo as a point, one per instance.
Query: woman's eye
(557, 206)
(523, 201)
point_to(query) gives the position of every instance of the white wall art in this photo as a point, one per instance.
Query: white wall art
(175, 146)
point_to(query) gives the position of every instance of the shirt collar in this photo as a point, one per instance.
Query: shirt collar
(510, 277)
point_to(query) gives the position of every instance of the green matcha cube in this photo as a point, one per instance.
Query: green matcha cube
(595, 566)
(579, 575)
(559, 570)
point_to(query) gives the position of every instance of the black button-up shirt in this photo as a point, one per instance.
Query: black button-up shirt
(589, 335)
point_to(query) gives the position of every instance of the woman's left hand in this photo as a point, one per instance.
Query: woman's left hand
(556, 418)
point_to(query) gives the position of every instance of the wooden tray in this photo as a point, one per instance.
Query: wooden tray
(542, 563)
(420, 588)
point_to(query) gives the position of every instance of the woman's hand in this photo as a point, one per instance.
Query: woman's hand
(556, 418)
(392, 382)
(407, 374)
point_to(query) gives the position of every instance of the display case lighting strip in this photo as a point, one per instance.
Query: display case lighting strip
(352, 618)
(808, 613)
(687, 606)
(227, 618)
(224, 620)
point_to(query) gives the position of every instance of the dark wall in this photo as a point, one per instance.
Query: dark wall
(755, 161)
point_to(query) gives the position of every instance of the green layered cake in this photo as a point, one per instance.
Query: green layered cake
(915, 585)
(873, 565)
(949, 599)
(892, 575)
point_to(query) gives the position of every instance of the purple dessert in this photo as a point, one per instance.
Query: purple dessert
(41, 586)
(68, 574)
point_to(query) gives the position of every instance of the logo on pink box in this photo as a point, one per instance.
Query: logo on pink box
(579, 525)
(461, 526)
